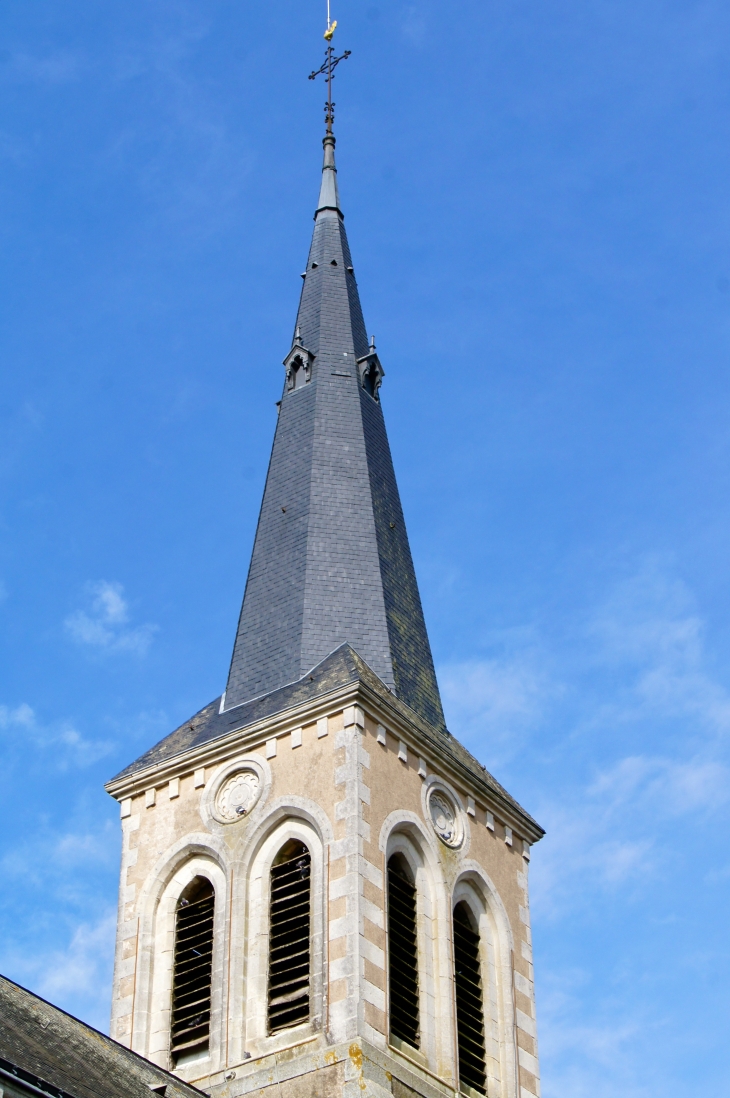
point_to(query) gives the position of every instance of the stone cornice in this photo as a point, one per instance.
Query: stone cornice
(434, 748)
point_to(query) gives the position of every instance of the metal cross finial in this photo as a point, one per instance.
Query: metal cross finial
(328, 69)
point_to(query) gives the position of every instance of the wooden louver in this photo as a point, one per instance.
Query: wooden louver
(469, 1001)
(289, 939)
(193, 965)
(402, 953)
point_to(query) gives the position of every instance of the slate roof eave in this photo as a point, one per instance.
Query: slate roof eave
(338, 669)
(68, 1057)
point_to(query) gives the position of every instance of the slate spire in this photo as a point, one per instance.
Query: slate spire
(331, 563)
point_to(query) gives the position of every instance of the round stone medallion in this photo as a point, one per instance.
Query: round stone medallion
(237, 795)
(445, 817)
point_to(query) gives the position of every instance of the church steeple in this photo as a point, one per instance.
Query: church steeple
(322, 891)
(331, 562)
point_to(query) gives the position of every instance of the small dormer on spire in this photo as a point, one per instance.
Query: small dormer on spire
(298, 364)
(370, 371)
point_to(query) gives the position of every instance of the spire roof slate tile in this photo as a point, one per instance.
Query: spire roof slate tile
(331, 562)
(331, 569)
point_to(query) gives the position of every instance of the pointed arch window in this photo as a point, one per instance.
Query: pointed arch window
(192, 972)
(290, 937)
(469, 1000)
(371, 381)
(297, 377)
(402, 952)
(371, 372)
(298, 370)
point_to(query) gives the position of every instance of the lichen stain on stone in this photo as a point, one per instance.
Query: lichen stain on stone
(451, 863)
(330, 1057)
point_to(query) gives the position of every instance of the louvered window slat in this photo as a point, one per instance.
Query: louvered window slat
(469, 1002)
(402, 954)
(189, 960)
(289, 938)
(192, 970)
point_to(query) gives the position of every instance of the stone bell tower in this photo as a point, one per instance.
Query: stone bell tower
(322, 892)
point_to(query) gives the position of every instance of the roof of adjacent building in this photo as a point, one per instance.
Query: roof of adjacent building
(43, 1048)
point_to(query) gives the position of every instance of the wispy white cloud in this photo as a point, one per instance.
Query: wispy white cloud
(76, 977)
(57, 67)
(194, 169)
(21, 726)
(413, 26)
(588, 1057)
(79, 967)
(612, 830)
(104, 626)
(497, 701)
(667, 786)
(22, 716)
(587, 853)
(44, 858)
(651, 627)
(97, 847)
(635, 681)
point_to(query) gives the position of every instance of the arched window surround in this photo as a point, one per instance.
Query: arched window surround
(474, 888)
(153, 999)
(192, 973)
(298, 373)
(227, 866)
(250, 958)
(404, 834)
(403, 975)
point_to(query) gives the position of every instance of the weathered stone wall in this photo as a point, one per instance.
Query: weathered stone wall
(354, 790)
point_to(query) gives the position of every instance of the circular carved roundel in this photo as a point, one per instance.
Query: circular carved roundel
(237, 796)
(445, 817)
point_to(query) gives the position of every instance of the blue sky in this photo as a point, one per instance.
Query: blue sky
(537, 203)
